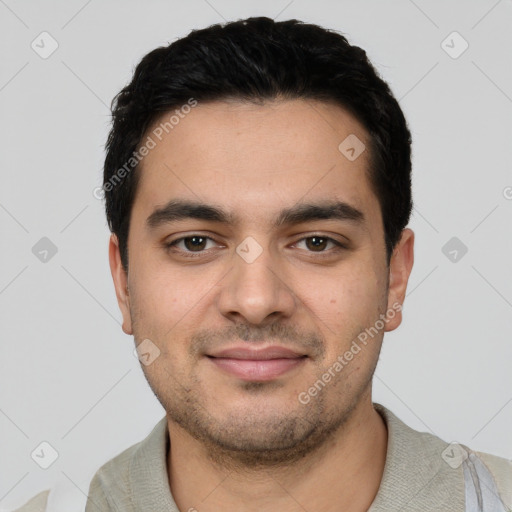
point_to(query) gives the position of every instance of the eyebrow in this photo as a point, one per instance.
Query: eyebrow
(178, 209)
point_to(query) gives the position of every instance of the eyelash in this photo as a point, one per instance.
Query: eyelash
(193, 254)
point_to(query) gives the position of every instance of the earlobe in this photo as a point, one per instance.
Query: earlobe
(120, 278)
(400, 268)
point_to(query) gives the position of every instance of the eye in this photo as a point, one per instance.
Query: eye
(195, 245)
(318, 243)
(190, 244)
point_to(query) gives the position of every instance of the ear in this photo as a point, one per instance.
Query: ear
(120, 278)
(400, 268)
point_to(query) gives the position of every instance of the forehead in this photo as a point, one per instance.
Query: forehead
(257, 159)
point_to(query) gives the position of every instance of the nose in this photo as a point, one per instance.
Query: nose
(256, 290)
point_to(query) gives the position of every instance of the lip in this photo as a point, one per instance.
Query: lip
(257, 364)
(261, 354)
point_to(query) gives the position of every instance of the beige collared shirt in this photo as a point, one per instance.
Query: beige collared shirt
(421, 473)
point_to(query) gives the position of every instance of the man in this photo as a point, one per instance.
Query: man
(258, 188)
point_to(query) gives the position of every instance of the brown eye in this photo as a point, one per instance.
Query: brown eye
(316, 242)
(319, 244)
(195, 243)
(188, 245)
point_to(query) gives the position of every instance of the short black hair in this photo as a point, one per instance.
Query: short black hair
(258, 59)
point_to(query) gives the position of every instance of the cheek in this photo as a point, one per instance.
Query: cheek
(157, 307)
(346, 305)
(158, 288)
(344, 298)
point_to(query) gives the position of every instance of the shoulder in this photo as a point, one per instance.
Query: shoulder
(501, 470)
(111, 479)
(112, 485)
(114, 474)
(64, 496)
(421, 465)
(35, 504)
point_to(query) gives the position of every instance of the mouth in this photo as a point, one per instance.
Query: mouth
(257, 364)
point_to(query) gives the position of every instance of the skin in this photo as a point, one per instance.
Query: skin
(253, 446)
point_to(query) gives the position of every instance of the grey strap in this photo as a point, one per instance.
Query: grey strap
(482, 495)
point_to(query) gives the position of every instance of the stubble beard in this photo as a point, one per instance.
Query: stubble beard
(240, 443)
(258, 440)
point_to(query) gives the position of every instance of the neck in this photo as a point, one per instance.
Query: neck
(346, 469)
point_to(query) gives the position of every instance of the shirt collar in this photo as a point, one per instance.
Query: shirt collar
(416, 477)
(148, 479)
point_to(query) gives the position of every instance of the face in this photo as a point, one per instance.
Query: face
(248, 300)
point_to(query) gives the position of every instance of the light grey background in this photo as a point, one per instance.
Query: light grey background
(68, 373)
